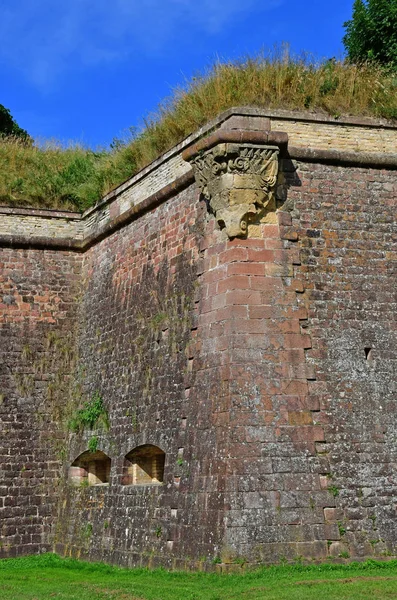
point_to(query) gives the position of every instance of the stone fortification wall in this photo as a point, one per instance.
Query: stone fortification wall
(139, 327)
(38, 304)
(345, 220)
(240, 332)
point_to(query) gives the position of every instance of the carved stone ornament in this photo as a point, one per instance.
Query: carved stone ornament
(239, 181)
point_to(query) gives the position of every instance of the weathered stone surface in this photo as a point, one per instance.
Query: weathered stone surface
(238, 181)
(264, 368)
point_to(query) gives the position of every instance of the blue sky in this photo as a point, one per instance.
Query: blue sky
(88, 69)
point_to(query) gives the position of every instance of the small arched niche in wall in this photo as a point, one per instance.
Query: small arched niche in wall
(144, 466)
(91, 468)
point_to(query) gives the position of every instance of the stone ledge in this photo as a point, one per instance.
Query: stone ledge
(40, 212)
(344, 157)
(39, 242)
(278, 138)
(305, 116)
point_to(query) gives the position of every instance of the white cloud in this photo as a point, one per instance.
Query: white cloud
(42, 38)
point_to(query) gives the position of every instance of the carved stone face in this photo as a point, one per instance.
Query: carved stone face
(238, 180)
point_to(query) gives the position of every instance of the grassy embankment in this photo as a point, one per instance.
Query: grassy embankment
(75, 178)
(48, 576)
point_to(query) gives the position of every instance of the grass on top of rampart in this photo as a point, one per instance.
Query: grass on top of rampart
(75, 178)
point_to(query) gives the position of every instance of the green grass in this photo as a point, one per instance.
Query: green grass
(48, 576)
(76, 178)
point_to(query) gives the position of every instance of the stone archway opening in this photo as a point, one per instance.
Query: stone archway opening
(144, 465)
(90, 468)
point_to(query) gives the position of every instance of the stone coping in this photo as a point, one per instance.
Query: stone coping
(277, 138)
(41, 212)
(376, 160)
(170, 173)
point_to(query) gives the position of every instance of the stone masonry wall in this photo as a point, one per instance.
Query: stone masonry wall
(138, 333)
(254, 326)
(38, 292)
(306, 315)
(345, 219)
(19, 222)
(263, 366)
(342, 136)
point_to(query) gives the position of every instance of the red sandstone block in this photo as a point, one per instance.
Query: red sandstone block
(301, 417)
(266, 284)
(211, 290)
(246, 268)
(332, 514)
(279, 270)
(216, 249)
(214, 275)
(260, 256)
(318, 387)
(245, 355)
(284, 218)
(219, 301)
(301, 482)
(240, 450)
(261, 312)
(274, 243)
(236, 282)
(284, 298)
(218, 329)
(249, 297)
(294, 371)
(295, 256)
(295, 312)
(324, 482)
(288, 234)
(307, 433)
(297, 285)
(248, 326)
(252, 340)
(206, 304)
(292, 326)
(221, 343)
(313, 403)
(236, 254)
(291, 403)
(282, 256)
(271, 231)
(221, 419)
(293, 355)
(296, 387)
(319, 549)
(292, 340)
(246, 243)
(235, 311)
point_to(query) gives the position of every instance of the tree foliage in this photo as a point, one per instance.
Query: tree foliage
(371, 33)
(8, 125)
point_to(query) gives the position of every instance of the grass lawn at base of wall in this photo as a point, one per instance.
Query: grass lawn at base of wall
(48, 576)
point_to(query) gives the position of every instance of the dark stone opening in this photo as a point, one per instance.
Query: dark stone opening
(90, 468)
(144, 466)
